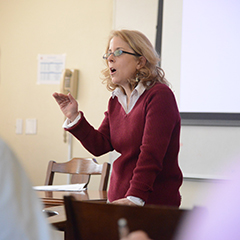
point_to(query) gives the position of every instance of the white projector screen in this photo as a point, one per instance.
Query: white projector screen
(210, 64)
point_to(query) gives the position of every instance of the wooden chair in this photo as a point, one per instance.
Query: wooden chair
(81, 170)
(92, 220)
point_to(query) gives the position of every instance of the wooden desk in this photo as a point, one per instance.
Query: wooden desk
(55, 198)
(58, 220)
(54, 203)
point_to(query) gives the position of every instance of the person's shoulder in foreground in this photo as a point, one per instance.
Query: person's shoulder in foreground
(21, 210)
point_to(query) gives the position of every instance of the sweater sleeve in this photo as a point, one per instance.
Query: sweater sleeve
(95, 141)
(162, 117)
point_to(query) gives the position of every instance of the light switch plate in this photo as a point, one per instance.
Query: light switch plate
(31, 126)
(19, 126)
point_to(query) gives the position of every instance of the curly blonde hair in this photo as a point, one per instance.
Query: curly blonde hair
(150, 73)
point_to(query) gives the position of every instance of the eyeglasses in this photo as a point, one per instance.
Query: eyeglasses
(118, 53)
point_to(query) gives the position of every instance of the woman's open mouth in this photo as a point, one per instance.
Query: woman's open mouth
(112, 70)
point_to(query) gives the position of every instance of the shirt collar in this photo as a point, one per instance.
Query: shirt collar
(139, 89)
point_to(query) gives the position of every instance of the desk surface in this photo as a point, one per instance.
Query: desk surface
(58, 218)
(55, 198)
(54, 203)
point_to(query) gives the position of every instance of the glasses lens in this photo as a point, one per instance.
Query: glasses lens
(117, 53)
(105, 56)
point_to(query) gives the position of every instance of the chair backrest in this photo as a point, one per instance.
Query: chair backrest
(92, 220)
(81, 170)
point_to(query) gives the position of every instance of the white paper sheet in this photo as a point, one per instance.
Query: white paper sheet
(50, 68)
(68, 187)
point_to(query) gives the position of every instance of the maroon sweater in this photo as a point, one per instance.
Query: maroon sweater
(148, 140)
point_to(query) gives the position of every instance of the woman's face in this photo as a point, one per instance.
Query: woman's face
(124, 66)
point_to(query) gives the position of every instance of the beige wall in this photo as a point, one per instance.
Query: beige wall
(77, 28)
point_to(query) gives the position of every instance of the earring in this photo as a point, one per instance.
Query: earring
(137, 78)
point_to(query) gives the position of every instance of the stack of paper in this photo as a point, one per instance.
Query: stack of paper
(68, 187)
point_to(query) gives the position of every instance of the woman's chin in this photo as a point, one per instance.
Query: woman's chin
(115, 81)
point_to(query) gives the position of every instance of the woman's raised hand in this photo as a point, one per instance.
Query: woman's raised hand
(68, 105)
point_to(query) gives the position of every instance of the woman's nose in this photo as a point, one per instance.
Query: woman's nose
(111, 57)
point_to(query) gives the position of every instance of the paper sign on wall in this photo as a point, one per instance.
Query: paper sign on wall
(50, 68)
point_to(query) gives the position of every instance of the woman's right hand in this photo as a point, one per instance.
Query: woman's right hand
(68, 105)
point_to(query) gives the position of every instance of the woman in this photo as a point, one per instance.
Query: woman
(142, 123)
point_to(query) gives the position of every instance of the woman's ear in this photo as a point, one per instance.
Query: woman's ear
(141, 62)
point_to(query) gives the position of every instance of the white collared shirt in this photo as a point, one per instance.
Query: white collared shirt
(122, 98)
